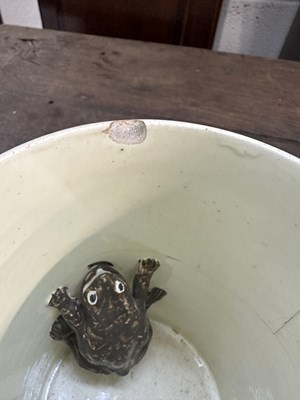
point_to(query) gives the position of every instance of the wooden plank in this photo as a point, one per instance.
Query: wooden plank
(53, 80)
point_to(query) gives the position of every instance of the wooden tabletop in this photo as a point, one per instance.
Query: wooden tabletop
(53, 80)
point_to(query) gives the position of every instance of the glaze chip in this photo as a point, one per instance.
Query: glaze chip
(109, 330)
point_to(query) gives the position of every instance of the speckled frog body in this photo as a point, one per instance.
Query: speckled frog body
(109, 330)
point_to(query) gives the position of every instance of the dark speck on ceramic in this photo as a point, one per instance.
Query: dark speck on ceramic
(108, 330)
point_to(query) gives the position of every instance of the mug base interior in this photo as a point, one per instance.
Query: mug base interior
(171, 369)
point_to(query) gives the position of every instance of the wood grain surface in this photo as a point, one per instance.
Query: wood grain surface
(53, 80)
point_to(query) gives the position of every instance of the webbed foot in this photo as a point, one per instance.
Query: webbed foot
(147, 266)
(141, 283)
(58, 297)
(154, 295)
(60, 330)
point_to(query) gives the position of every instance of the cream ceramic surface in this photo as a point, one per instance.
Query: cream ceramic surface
(220, 211)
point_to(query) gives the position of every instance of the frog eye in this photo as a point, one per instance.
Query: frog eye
(92, 297)
(119, 287)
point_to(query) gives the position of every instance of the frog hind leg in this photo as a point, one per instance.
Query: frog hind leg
(145, 348)
(82, 362)
(60, 330)
(154, 295)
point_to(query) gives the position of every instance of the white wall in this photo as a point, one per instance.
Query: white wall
(21, 12)
(255, 27)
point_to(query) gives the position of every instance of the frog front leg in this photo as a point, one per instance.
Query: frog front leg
(68, 307)
(141, 283)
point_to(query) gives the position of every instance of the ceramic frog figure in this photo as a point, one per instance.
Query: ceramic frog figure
(108, 331)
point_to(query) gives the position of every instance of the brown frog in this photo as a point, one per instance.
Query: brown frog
(109, 330)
